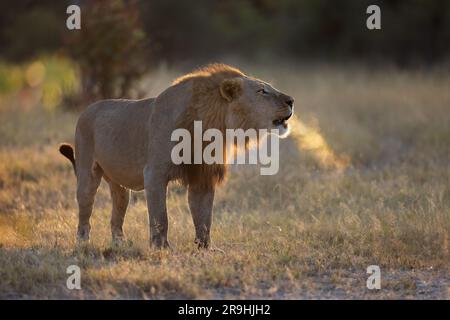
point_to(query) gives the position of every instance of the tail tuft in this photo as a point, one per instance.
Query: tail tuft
(67, 151)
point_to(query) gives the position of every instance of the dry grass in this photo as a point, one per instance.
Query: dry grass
(364, 179)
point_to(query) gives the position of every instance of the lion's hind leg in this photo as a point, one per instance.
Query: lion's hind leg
(88, 181)
(120, 197)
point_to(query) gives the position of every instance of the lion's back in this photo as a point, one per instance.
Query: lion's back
(115, 110)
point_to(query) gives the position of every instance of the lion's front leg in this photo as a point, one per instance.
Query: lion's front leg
(201, 204)
(156, 189)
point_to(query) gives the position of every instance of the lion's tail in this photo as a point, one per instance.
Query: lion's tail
(67, 151)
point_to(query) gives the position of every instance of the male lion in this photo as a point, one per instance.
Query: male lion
(128, 143)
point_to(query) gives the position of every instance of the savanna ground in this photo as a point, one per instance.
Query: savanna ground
(364, 180)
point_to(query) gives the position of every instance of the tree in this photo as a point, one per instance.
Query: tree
(109, 48)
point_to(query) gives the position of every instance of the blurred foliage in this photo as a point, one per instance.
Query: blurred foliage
(412, 30)
(121, 39)
(109, 48)
(177, 31)
(30, 28)
(46, 81)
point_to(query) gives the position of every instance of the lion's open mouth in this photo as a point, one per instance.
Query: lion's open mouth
(281, 121)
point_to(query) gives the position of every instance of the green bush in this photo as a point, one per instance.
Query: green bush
(109, 49)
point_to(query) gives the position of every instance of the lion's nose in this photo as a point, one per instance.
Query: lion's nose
(290, 101)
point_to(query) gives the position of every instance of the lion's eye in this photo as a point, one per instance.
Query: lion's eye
(263, 91)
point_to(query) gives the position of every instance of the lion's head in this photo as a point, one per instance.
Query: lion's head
(255, 104)
(225, 98)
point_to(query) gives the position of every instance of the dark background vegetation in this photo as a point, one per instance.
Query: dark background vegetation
(178, 31)
(121, 40)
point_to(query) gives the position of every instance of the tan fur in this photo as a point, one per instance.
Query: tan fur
(127, 142)
(209, 106)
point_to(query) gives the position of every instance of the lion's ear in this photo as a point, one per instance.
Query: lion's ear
(231, 89)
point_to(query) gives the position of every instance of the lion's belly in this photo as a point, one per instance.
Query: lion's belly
(128, 176)
(123, 161)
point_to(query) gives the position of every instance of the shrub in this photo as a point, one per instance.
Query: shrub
(109, 48)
